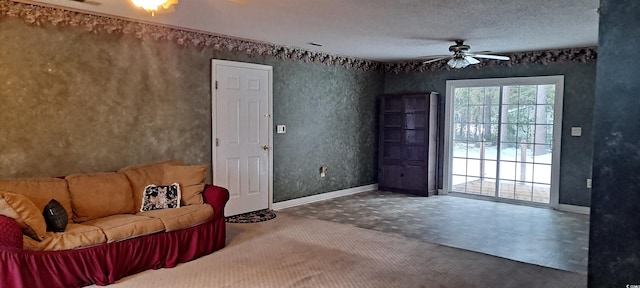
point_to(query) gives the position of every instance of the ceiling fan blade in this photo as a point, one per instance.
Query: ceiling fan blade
(435, 60)
(496, 57)
(95, 3)
(471, 60)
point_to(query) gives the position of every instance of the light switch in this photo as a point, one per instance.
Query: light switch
(576, 131)
(281, 129)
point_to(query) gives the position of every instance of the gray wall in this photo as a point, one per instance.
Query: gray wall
(331, 120)
(614, 238)
(77, 102)
(579, 84)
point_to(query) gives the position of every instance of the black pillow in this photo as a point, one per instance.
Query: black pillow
(55, 216)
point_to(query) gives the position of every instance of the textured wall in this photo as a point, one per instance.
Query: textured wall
(614, 238)
(75, 102)
(579, 83)
(327, 125)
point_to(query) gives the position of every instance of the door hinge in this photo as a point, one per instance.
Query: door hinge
(216, 84)
(217, 142)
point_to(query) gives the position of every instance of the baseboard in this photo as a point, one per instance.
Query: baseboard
(574, 209)
(323, 196)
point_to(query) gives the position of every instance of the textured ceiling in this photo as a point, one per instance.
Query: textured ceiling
(383, 30)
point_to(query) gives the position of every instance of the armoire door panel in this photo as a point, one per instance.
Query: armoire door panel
(413, 137)
(391, 134)
(391, 176)
(415, 178)
(415, 104)
(415, 154)
(392, 151)
(393, 105)
(416, 120)
(393, 120)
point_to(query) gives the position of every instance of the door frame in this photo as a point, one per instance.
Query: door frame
(214, 134)
(557, 80)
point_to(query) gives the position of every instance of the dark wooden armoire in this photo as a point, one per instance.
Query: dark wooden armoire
(408, 144)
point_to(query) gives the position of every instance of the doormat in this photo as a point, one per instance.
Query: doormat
(252, 217)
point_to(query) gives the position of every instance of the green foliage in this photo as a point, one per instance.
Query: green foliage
(477, 113)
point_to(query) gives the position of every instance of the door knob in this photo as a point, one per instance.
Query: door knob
(265, 148)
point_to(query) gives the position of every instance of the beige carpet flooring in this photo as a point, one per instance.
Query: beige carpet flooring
(292, 251)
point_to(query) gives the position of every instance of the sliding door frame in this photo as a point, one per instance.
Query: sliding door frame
(557, 80)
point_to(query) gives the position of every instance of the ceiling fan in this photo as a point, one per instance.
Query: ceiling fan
(461, 57)
(95, 3)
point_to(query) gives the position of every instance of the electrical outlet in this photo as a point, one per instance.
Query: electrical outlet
(576, 131)
(589, 183)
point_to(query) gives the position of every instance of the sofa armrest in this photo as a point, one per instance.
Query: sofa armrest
(217, 197)
(10, 233)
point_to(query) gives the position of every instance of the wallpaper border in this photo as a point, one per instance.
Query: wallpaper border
(38, 15)
(584, 54)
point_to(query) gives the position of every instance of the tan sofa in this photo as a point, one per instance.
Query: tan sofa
(105, 208)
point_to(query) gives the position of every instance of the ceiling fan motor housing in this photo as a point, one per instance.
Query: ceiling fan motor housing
(460, 47)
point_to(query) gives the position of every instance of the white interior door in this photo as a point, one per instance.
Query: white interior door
(241, 131)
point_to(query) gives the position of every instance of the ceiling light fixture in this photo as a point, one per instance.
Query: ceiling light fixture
(153, 5)
(459, 61)
(456, 63)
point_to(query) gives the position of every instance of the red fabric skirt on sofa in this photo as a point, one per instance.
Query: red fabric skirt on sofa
(105, 264)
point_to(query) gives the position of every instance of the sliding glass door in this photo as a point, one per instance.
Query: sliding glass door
(503, 138)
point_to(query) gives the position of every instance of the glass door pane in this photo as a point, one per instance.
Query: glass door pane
(475, 133)
(526, 142)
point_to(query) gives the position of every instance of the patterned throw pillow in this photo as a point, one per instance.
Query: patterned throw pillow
(55, 216)
(160, 197)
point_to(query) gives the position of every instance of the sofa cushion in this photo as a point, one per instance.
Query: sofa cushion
(125, 226)
(28, 216)
(181, 218)
(161, 197)
(141, 176)
(75, 236)
(191, 180)
(55, 216)
(95, 196)
(40, 191)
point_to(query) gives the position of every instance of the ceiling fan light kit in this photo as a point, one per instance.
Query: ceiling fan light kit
(154, 5)
(461, 61)
(458, 63)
